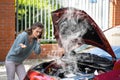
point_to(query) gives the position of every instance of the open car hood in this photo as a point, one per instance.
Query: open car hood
(90, 33)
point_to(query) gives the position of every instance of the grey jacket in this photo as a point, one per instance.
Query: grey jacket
(18, 54)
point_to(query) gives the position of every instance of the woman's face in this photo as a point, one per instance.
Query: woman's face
(36, 32)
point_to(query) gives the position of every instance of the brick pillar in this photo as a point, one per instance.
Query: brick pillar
(114, 12)
(7, 26)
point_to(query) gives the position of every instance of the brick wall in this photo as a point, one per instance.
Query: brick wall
(114, 13)
(7, 26)
(49, 50)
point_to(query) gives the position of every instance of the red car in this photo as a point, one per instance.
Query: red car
(73, 29)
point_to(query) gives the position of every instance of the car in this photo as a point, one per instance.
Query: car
(83, 41)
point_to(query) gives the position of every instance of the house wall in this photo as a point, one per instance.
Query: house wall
(7, 27)
(114, 13)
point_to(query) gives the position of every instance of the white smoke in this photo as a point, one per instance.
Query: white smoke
(72, 26)
(72, 30)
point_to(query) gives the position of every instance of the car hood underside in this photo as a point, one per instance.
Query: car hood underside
(71, 21)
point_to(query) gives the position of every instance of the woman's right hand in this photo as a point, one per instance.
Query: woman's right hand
(22, 45)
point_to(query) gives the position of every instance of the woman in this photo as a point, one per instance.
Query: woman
(25, 43)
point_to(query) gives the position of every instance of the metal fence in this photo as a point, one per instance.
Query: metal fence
(30, 11)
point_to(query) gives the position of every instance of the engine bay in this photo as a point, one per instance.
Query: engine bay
(88, 65)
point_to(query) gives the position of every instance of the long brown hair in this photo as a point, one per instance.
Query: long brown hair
(34, 26)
